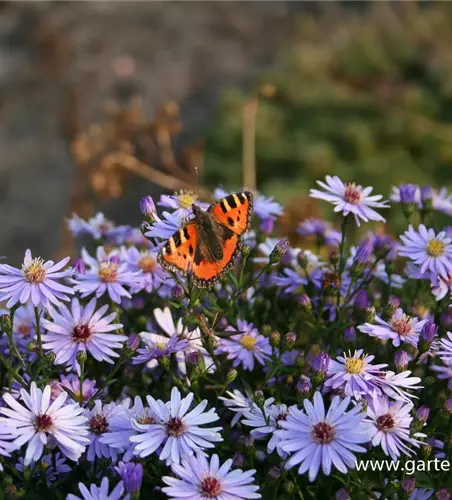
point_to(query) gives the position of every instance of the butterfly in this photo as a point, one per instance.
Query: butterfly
(207, 245)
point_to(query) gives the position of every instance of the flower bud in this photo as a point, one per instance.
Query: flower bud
(443, 494)
(246, 250)
(342, 494)
(427, 336)
(448, 406)
(393, 305)
(361, 300)
(259, 398)
(247, 443)
(370, 314)
(232, 375)
(194, 358)
(291, 338)
(5, 323)
(79, 265)
(274, 473)
(289, 487)
(304, 386)
(164, 362)
(305, 302)
(401, 360)
(279, 251)
(275, 339)
(350, 334)
(147, 207)
(423, 413)
(321, 363)
(50, 357)
(177, 292)
(238, 460)
(362, 254)
(408, 198)
(131, 475)
(302, 259)
(333, 257)
(409, 484)
(133, 342)
(427, 198)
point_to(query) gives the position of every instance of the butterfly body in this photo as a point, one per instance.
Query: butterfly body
(207, 244)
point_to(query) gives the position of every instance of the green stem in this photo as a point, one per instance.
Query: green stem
(12, 344)
(38, 331)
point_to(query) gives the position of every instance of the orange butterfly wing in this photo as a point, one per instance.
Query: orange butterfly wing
(234, 211)
(178, 254)
(206, 273)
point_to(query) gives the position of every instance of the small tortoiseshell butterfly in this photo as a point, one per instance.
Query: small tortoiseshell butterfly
(207, 245)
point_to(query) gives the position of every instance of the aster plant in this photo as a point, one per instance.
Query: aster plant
(122, 380)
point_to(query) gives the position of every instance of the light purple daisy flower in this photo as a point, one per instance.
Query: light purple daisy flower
(445, 350)
(399, 328)
(200, 479)
(395, 385)
(441, 286)
(315, 438)
(246, 347)
(266, 420)
(72, 382)
(180, 433)
(99, 419)
(100, 492)
(6, 446)
(106, 274)
(158, 346)
(431, 251)
(350, 198)
(145, 261)
(40, 422)
(121, 428)
(38, 282)
(82, 329)
(237, 403)
(354, 374)
(391, 426)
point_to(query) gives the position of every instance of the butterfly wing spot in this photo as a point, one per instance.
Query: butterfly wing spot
(228, 211)
(177, 254)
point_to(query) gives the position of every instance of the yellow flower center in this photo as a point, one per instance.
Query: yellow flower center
(435, 248)
(160, 345)
(35, 273)
(354, 365)
(248, 342)
(108, 272)
(148, 264)
(186, 199)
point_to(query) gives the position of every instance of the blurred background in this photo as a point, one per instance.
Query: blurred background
(103, 102)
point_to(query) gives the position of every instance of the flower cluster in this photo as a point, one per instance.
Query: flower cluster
(123, 380)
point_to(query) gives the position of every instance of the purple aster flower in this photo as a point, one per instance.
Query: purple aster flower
(267, 225)
(158, 346)
(106, 274)
(97, 227)
(55, 465)
(100, 492)
(180, 433)
(445, 350)
(72, 382)
(423, 413)
(441, 286)
(400, 328)
(391, 426)
(409, 484)
(350, 198)
(99, 419)
(409, 194)
(431, 251)
(314, 227)
(6, 446)
(238, 403)
(428, 334)
(315, 438)
(401, 360)
(394, 385)
(147, 207)
(426, 194)
(321, 363)
(245, 347)
(166, 226)
(354, 374)
(40, 422)
(266, 421)
(82, 329)
(131, 475)
(38, 282)
(145, 262)
(442, 201)
(200, 479)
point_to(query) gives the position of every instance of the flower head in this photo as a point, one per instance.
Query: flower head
(200, 479)
(72, 382)
(100, 492)
(151, 276)
(400, 328)
(350, 198)
(431, 251)
(131, 475)
(245, 347)
(158, 346)
(315, 438)
(38, 422)
(82, 329)
(177, 430)
(36, 283)
(238, 403)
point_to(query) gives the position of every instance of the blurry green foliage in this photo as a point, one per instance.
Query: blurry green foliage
(365, 94)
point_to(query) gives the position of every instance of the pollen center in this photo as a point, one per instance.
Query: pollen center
(35, 273)
(210, 487)
(43, 423)
(161, 346)
(175, 427)
(98, 424)
(435, 248)
(281, 416)
(352, 193)
(386, 422)
(186, 199)
(354, 365)
(403, 325)
(148, 265)
(248, 342)
(323, 433)
(108, 272)
(146, 420)
(24, 330)
(81, 333)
